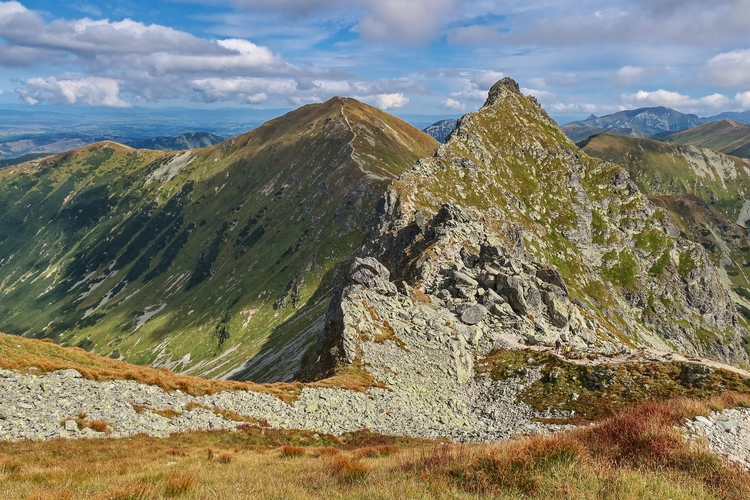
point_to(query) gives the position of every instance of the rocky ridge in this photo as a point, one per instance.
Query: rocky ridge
(510, 230)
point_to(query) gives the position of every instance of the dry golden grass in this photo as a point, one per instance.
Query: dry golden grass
(635, 454)
(292, 451)
(43, 356)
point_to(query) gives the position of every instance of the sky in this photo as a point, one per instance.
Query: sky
(418, 57)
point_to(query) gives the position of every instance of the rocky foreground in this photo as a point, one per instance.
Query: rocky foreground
(64, 405)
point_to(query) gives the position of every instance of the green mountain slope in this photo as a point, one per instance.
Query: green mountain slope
(198, 260)
(672, 169)
(725, 136)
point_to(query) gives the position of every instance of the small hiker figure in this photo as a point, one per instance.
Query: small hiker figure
(568, 350)
(558, 346)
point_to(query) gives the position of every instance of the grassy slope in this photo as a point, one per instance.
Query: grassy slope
(725, 136)
(636, 454)
(660, 168)
(234, 254)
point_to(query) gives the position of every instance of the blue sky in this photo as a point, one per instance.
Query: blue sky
(430, 57)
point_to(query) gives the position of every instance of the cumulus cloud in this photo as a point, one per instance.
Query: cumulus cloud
(474, 85)
(91, 90)
(743, 99)
(453, 105)
(243, 90)
(730, 69)
(388, 101)
(543, 95)
(585, 108)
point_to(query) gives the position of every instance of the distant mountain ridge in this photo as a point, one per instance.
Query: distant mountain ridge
(441, 130)
(643, 122)
(187, 141)
(50, 143)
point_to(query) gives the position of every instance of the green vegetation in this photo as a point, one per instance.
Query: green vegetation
(725, 136)
(686, 264)
(123, 250)
(623, 271)
(671, 169)
(600, 390)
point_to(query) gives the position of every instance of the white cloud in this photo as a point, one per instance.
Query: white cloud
(338, 87)
(585, 108)
(694, 23)
(1, 92)
(730, 69)
(743, 99)
(91, 90)
(453, 104)
(244, 90)
(485, 79)
(388, 101)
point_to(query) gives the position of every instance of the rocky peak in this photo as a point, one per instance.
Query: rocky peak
(510, 231)
(501, 89)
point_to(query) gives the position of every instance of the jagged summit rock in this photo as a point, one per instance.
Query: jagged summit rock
(500, 90)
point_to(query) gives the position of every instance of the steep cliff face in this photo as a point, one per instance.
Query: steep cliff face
(214, 261)
(511, 234)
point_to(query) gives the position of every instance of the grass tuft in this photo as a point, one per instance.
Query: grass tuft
(348, 470)
(178, 483)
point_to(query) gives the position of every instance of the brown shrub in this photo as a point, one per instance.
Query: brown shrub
(348, 470)
(175, 452)
(292, 451)
(97, 425)
(178, 483)
(327, 451)
(224, 458)
(209, 454)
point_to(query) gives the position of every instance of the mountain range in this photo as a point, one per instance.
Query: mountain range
(339, 237)
(644, 122)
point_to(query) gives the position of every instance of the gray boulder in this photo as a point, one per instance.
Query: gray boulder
(474, 314)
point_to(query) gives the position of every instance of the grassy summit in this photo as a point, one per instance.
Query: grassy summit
(198, 260)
